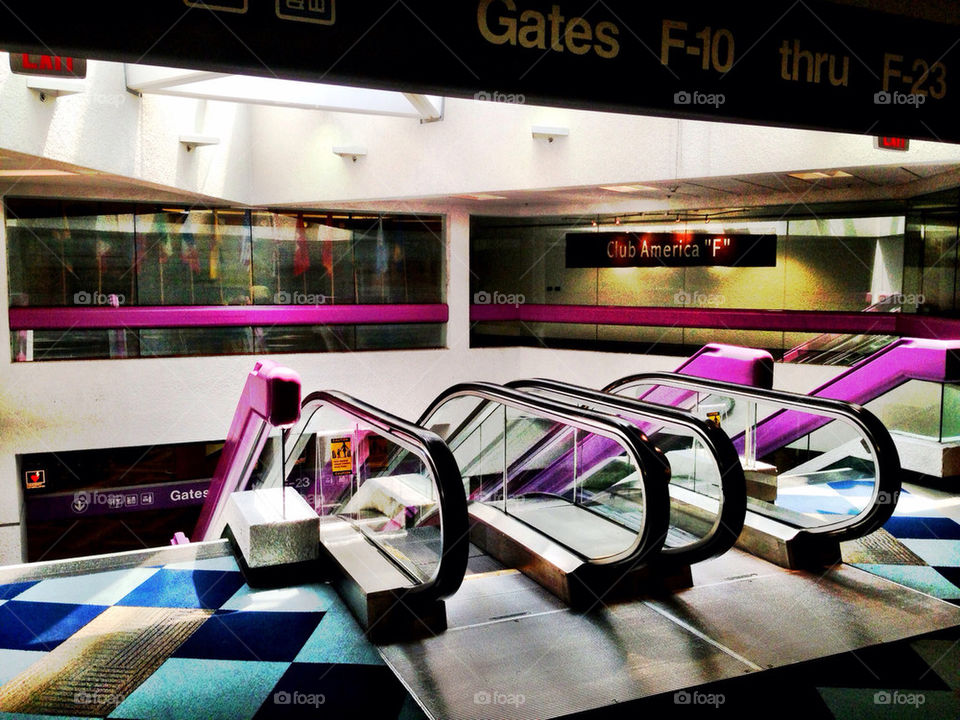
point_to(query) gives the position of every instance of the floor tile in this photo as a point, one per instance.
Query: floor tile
(943, 657)
(922, 578)
(262, 636)
(952, 574)
(188, 689)
(30, 716)
(309, 690)
(923, 528)
(42, 626)
(106, 588)
(303, 598)
(935, 552)
(339, 639)
(185, 588)
(890, 704)
(9, 592)
(14, 662)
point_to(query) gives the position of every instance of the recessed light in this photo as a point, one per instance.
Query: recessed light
(481, 196)
(35, 173)
(630, 188)
(820, 175)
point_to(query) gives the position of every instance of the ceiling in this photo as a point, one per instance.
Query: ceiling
(27, 175)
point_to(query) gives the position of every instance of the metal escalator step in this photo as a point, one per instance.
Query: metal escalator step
(93, 671)
(878, 548)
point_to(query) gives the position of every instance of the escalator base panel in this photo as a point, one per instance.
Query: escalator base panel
(90, 674)
(743, 615)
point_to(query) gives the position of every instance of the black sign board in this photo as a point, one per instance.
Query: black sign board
(659, 249)
(47, 65)
(813, 64)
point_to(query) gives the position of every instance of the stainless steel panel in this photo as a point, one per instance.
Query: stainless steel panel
(777, 617)
(553, 664)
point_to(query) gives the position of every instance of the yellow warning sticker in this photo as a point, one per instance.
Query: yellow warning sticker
(341, 456)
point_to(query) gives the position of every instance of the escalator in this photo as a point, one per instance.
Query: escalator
(621, 494)
(819, 471)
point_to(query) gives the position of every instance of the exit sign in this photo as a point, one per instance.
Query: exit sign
(892, 143)
(48, 65)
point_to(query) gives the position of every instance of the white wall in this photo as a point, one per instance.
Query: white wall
(109, 129)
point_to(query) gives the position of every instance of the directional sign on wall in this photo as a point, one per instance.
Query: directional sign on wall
(661, 249)
(807, 64)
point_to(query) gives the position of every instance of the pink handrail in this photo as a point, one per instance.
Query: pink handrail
(270, 398)
(64, 318)
(721, 318)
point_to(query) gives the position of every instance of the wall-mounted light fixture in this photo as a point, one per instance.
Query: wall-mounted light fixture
(350, 151)
(542, 132)
(194, 141)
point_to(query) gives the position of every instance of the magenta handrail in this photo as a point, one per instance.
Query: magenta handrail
(270, 398)
(70, 318)
(715, 361)
(903, 360)
(922, 326)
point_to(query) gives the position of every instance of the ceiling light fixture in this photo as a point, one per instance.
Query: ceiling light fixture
(481, 196)
(820, 175)
(35, 173)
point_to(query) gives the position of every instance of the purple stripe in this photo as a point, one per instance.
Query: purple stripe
(777, 320)
(113, 501)
(222, 316)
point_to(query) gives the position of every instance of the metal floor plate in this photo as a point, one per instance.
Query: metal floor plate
(742, 615)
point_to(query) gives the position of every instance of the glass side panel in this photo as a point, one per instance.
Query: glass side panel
(579, 488)
(950, 426)
(351, 471)
(913, 408)
(608, 481)
(805, 469)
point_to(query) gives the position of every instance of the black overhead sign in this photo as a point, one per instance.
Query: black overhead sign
(660, 249)
(807, 64)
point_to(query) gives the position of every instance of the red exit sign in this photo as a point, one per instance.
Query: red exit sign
(48, 65)
(892, 143)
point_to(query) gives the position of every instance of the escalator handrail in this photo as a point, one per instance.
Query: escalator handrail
(888, 480)
(653, 465)
(439, 460)
(733, 493)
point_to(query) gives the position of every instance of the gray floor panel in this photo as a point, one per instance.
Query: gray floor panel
(512, 651)
(546, 665)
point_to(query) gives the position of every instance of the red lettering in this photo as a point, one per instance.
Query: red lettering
(27, 63)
